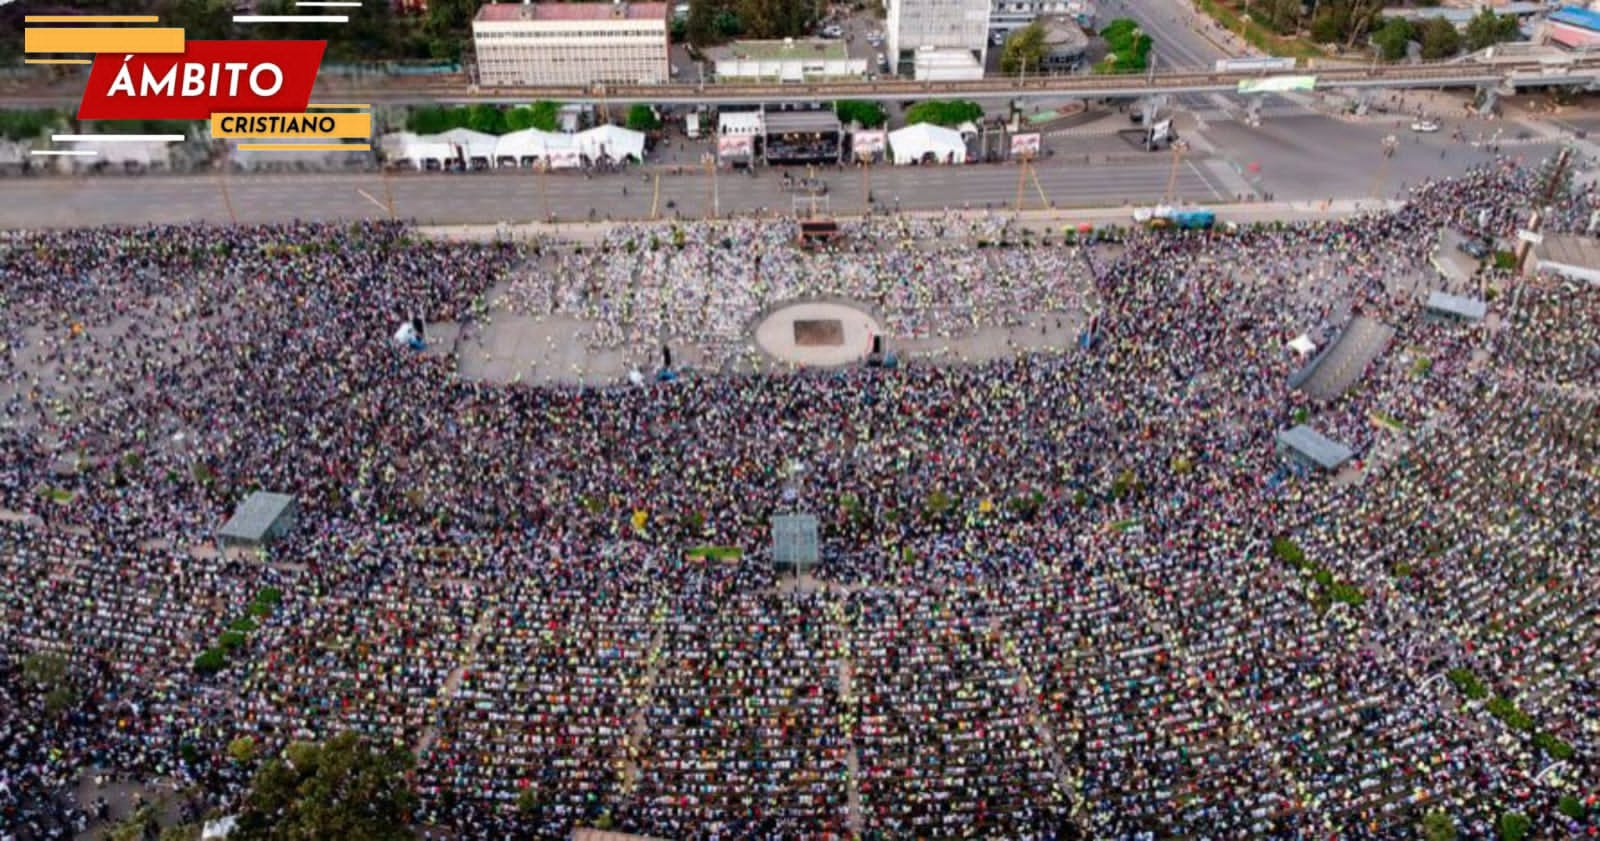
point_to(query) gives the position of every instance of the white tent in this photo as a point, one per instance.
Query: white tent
(915, 142)
(473, 144)
(511, 149)
(251, 160)
(739, 123)
(614, 142)
(143, 153)
(417, 150)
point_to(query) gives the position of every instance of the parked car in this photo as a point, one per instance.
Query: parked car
(833, 31)
(1425, 126)
(1476, 248)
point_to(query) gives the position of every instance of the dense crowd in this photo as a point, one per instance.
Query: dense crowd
(1063, 595)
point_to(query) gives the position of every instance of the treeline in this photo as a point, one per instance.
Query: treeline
(489, 119)
(30, 124)
(375, 32)
(715, 21)
(1351, 23)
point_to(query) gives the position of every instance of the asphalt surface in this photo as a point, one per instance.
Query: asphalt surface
(524, 195)
(1171, 26)
(1304, 157)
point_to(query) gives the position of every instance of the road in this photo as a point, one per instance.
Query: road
(524, 195)
(1170, 25)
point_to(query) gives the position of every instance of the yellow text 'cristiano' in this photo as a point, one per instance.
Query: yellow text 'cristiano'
(356, 126)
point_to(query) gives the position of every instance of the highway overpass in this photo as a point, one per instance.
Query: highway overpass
(1531, 73)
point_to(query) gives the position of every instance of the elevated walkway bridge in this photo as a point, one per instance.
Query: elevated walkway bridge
(1532, 71)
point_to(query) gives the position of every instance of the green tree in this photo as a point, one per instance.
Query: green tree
(728, 24)
(488, 119)
(868, 114)
(1024, 50)
(1330, 24)
(700, 25)
(540, 115)
(1438, 826)
(201, 20)
(944, 112)
(1391, 39)
(1487, 29)
(346, 788)
(642, 117)
(1440, 39)
(1514, 826)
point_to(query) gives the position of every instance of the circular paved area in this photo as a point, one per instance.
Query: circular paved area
(822, 334)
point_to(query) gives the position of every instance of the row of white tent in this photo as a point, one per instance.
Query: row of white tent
(519, 148)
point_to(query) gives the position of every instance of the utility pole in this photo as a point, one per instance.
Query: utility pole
(1022, 174)
(1172, 177)
(544, 190)
(1546, 199)
(227, 200)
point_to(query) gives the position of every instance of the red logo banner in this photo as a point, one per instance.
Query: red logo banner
(208, 77)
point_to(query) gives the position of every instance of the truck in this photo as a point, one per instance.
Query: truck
(691, 125)
(1188, 219)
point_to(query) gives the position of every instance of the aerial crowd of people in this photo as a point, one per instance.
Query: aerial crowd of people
(1064, 595)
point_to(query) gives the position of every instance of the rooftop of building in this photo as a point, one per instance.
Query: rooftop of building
(506, 12)
(1577, 16)
(816, 48)
(1063, 34)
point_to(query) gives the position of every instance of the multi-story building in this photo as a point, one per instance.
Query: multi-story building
(580, 43)
(942, 24)
(1007, 15)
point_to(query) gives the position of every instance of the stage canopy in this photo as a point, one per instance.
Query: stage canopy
(260, 518)
(1313, 448)
(916, 142)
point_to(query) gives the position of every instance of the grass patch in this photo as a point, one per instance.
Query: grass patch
(1502, 708)
(1125, 525)
(1505, 260)
(1257, 35)
(715, 553)
(59, 496)
(1468, 683)
(1553, 746)
(1388, 421)
(1571, 806)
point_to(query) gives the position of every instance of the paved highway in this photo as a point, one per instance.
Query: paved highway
(1303, 158)
(522, 196)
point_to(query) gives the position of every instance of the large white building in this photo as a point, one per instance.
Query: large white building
(945, 24)
(789, 60)
(1007, 15)
(580, 43)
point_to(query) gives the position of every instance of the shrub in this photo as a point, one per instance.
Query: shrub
(1287, 550)
(1502, 708)
(270, 595)
(1347, 593)
(1505, 260)
(243, 624)
(1571, 806)
(259, 610)
(1514, 826)
(1467, 683)
(210, 662)
(230, 640)
(1552, 746)
(1439, 826)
